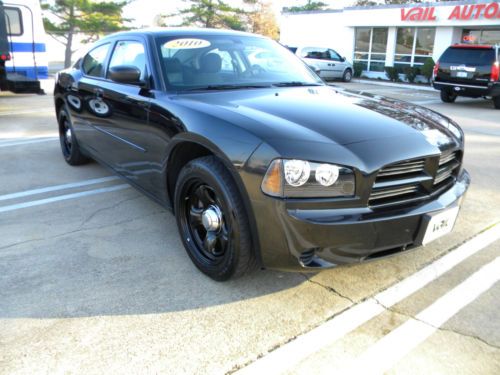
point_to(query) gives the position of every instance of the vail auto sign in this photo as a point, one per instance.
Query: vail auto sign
(459, 12)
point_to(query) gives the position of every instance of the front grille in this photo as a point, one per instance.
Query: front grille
(398, 181)
(448, 166)
(414, 180)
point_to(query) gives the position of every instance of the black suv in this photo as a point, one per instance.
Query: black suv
(468, 70)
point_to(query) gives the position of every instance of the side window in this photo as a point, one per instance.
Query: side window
(316, 53)
(130, 53)
(334, 55)
(93, 62)
(13, 21)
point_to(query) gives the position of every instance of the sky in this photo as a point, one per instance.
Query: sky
(144, 11)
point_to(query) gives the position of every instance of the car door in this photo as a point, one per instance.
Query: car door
(337, 63)
(319, 58)
(84, 101)
(127, 123)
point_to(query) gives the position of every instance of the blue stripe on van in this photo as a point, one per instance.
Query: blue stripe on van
(29, 71)
(27, 47)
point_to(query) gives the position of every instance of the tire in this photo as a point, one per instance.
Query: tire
(496, 102)
(448, 97)
(347, 75)
(69, 146)
(224, 251)
(3, 77)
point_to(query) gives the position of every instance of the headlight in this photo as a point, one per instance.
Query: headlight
(304, 179)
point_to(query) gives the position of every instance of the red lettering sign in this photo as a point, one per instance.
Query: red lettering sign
(418, 14)
(459, 12)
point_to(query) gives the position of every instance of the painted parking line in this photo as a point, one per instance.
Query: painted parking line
(48, 189)
(386, 352)
(58, 198)
(292, 353)
(28, 141)
(26, 112)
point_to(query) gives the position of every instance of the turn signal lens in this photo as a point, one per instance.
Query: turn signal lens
(495, 71)
(272, 183)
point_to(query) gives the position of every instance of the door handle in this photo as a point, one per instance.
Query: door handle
(99, 93)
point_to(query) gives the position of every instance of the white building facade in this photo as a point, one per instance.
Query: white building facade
(394, 35)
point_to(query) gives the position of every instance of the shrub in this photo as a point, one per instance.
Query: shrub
(427, 69)
(358, 69)
(411, 73)
(392, 73)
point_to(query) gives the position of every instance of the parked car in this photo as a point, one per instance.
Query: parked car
(468, 70)
(326, 62)
(262, 167)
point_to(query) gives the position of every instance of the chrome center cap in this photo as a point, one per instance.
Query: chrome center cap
(211, 218)
(68, 135)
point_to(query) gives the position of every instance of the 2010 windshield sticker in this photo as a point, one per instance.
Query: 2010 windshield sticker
(187, 43)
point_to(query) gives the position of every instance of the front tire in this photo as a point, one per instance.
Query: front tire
(347, 75)
(212, 220)
(69, 146)
(496, 102)
(447, 96)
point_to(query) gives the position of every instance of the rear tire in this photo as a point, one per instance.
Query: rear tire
(496, 102)
(447, 96)
(69, 146)
(347, 75)
(3, 77)
(212, 221)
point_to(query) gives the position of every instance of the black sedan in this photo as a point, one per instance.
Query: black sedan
(262, 163)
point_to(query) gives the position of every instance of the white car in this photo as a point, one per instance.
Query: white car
(326, 62)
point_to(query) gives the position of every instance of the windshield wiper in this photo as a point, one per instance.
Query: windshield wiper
(228, 87)
(295, 84)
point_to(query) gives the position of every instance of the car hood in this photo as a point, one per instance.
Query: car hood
(322, 114)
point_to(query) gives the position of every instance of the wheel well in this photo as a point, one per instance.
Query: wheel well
(182, 154)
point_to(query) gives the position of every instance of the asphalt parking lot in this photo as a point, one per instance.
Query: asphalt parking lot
(94, 279)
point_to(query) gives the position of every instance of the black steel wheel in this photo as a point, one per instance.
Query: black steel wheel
(212, 220)
(448, 96)
(69, 145)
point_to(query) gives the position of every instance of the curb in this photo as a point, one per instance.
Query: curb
(391, 84)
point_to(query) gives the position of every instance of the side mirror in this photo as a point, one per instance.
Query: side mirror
(342, 58)
(126, 74)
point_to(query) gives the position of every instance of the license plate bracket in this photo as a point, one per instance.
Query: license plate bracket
(437, 224)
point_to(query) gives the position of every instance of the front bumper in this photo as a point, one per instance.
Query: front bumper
(292, 238)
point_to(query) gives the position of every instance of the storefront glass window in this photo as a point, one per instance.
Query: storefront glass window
(370, 48)
(481, 36)
(413, 46)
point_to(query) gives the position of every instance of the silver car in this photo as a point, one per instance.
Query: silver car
(326, 62)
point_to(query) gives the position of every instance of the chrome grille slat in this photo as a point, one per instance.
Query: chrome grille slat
(393, 192)
(408, 181)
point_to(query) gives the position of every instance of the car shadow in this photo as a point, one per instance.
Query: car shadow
(136, 266)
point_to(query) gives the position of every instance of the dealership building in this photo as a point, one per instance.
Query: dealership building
(394, 35)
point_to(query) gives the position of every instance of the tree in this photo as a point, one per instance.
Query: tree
(262, 20)
(311, 5)
(212, 13)
(93, 18)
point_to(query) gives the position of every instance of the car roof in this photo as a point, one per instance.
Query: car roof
(173, 31)
(477, 46)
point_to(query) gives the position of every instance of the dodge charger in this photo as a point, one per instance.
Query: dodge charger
(261, 162)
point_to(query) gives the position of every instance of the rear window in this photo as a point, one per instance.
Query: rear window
(469, 56)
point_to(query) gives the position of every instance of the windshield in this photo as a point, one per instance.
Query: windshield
(229, 62)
